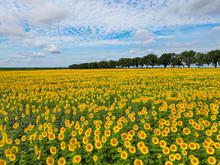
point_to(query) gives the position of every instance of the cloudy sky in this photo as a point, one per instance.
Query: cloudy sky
(46, 33)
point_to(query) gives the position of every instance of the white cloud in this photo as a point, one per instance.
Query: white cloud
(118, 16)
(38, 54)
(165, 37)
(50, 20)
(9, 23)
(47, 13)
(134, 51)
(195, 9)
(143, 36)
(52, 49)
(216, 28)
(27, 55)
(140, 51)
(204, 6)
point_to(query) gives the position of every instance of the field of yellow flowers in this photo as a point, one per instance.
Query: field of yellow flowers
(117, 116)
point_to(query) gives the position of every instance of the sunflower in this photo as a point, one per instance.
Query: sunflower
(163, 143)
(131, 132)
(144, 150)
(138, 162)
(184, 146)
(129, 137)
(73, 141)
(142, 134)
(17, 142)
(164, 133)
(103, 139)
(211, 160)
(71, 147)
(62, 129)
(7, 152)
(124, 136)
(51, 136)
(173, 148)
(73, 133)
(140, 144)
(40, 137)
(98, 144)
(218, 137)
(2, 162)
(12, 157)
(132, 149)
(147, 126)
(89, 147)
(14, 149)
(210, 150)
(16, 125)
(155, 140)
(186, 131)
(44, 134)
(172, 157)
(179, 141)
(85, 140)
(53, 150)
(124, 155)
(192, 146)
(95, 158)
(61, 136)
(76, 159)
(78, 145)
(166, 150)
(217, 145)
(168, 163)
(119, 149)
(107, 133)
(197, 145)
(50, 160)
(61, 161)
(194, 161)
(23, 138)
(87, 133)
(184, 152)
(116, 129)
(174, 129)
(127, 144)
(180, 123)
(114, 142)
(208, 133)
(177, 156)
(63, 145)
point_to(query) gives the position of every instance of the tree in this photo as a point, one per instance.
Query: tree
(113, 64)
(215, 57)
(124, 62)
(142, 62)
(200, 59)
(188, 57)
(165, 59)
(150, 59)
(136, 62)
(74, 66)
(176, 60)
(153, 60)
(145, 61)
(102, 64)
(208, 59)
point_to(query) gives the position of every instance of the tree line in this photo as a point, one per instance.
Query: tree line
(186, 58)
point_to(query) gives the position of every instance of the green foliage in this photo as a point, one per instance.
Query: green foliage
(185, 58)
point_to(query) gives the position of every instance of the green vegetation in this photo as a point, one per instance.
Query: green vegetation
(186, 58)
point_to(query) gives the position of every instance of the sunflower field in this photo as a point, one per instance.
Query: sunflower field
(115, 116)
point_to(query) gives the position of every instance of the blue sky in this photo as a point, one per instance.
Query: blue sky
(39, 33)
